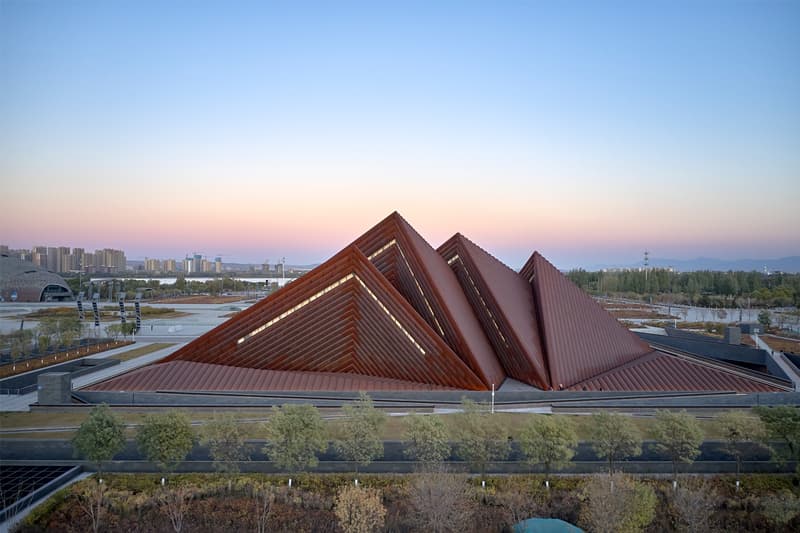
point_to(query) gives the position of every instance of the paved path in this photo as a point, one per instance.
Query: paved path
(23, 402)
(778, 357)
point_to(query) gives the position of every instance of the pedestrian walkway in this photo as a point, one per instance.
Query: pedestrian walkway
(779, 358)
(23, 402)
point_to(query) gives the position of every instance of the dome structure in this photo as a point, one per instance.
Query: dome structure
(22, 281)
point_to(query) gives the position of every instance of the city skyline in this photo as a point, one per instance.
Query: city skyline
(587, 131)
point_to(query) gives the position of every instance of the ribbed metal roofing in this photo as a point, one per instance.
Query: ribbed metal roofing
(389, 313)
(192, 376)
(503, 301)
(658, 371)
(344, 316)
(581, 338)
(427, 282)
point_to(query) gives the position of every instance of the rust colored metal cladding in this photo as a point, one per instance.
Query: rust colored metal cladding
(342, 317)
(389, 313)
(581, 338)
(503, 301)
(423, 277)
(189, 375)
(659, 371)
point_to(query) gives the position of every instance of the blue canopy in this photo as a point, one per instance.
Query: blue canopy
(545, 525)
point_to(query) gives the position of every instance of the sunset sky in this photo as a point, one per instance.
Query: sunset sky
(586, 130)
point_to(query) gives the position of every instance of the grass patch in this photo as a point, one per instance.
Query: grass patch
(253, 418)
(144, 350)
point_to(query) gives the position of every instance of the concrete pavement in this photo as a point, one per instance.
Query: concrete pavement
(23, 402)
(780, 359)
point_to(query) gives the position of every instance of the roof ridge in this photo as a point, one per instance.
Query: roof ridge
(484, 250)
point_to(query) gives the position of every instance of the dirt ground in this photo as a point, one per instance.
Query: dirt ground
(781, 344)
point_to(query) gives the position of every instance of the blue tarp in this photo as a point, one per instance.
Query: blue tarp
(545, 525)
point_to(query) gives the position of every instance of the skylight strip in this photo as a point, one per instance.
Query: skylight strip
(483, 302)
(379, 251)
(296, 308)
(421, 292)
(391, 316)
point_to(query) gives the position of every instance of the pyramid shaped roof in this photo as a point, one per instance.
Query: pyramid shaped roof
(342, 317)
(423, 277)
(581, 338)
(504, 303)
(389, 312)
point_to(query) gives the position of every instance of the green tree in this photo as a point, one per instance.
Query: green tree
(68, 329)
(100, 437)
(480, 436)
(764, 318)
(616, 504)
(360, 440)
(166, 438)
(225, 440)
(678, 435)
(739, 431)
(548, 440)
(296, 434)
(43, 342)
(20, 343)
(782, 424)
(614, 437)
(426, 439)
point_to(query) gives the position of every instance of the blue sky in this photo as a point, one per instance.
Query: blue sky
(587, 130)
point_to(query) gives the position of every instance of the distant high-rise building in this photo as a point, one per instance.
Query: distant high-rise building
(152, 265)
(39, 254)
(77, 259)
(88, 262)
(218, 265)
(110, 260)
(169, 265)
(53, 259)
(206, 266)
(64, 259)
(188, 265)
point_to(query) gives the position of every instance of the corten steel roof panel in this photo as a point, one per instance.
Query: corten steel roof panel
(428, 284)
(503, 301)
(581, 338)
(191, 376)
(659, 371)
(344, 316)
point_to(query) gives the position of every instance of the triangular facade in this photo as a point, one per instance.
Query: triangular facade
(343, 317)
(503, 301)
(391, 313)
(581, 339)
(423, 277)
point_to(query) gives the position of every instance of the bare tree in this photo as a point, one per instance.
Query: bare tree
(441, 501)
(519, 506)
(175, 503)
(263, 497)
(695, 508)
(93, 502)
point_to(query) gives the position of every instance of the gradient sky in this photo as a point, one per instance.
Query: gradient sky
(587, 130)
